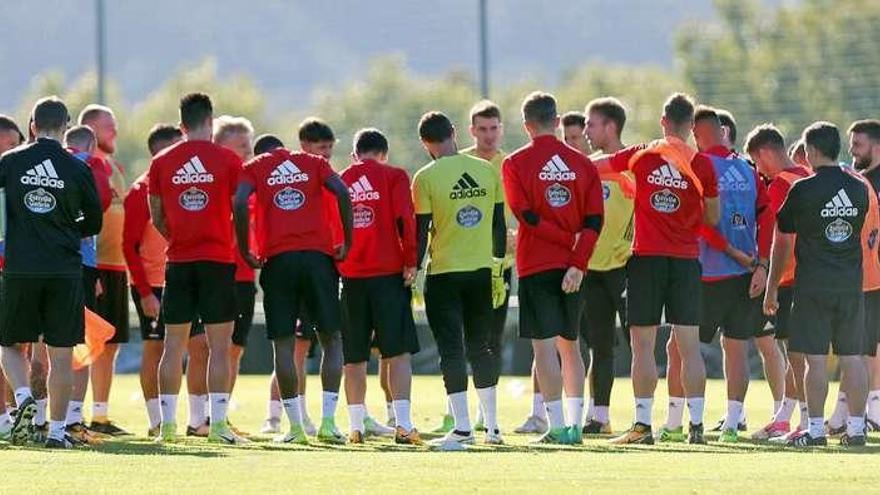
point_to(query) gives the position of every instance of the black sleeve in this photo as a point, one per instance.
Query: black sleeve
(90, 204)
(499, 231)
(423, 227)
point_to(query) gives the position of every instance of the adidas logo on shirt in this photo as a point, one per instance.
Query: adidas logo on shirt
(286, 173)
(43, 175)
(362, 190)
(466, 187)
(733, 180)
(667, 176)
(839, 206)
(556, 170)
(192, 172)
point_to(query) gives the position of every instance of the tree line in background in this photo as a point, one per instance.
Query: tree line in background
(790, 65)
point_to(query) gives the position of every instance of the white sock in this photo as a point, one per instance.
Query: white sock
(817, 427)
(676, 412)
(575, 408)
(695, 409)
(401, 414)
(805, 416)
(74, 412)
(197, 406)
(206, 419)
(356, 413)
(5, 419)
(855, 426)
(56, 430)
(328, 404)
(841, 411)
(459, 403)
(100, 410)
(168, 408)
(489, 407)
(734, 413)
(291, 407)
(302, 407)
(643, 410)
(154, 416)
(275, 409)
(776, 405)
(555, 414)
(591, 410)
(742, 416)
(21, 394)
(785, 411)
(219, 405)
(40, 418)
(448, 407)
(873, 411)
(601, 414)
(390, 411)
(538, 409)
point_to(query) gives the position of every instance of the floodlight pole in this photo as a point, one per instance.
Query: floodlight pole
(101, 50)
(484, 50)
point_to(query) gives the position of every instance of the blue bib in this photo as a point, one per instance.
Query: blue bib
(88, 246)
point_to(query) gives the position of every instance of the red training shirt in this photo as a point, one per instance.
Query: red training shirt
(196, 181)
(142, 245)
(778, 191)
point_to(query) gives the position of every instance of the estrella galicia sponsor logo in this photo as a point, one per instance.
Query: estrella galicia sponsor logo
(466, 187)
(286, 173)
(839, 206)
(557, 195)
(289, 199)
(468, 216)
(556, 170)
(606, 191)
(40, 201)
(667, 176)
(738, 221)
(43, 175)
(192, 172)
(665, 201)
(362, 216)
(193, 199)
(838, 231)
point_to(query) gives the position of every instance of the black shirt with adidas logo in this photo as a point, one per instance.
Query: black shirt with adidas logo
(826, 211)
(51, 204)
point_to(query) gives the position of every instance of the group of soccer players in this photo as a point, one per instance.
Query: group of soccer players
(776, 245)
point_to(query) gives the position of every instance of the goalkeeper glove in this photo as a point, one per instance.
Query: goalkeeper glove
(499, 288)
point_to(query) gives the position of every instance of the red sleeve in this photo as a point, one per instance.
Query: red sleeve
(155, 184)
(325, 170)
(591, 206)
(235, 174)
(705, 172)
(765, 219)
(102, 181)
(405, 212)
(619, 161)
(713, 238)
(137, 216)
(518, 202)
(777, 192)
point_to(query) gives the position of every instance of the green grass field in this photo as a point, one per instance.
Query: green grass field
(136, 465)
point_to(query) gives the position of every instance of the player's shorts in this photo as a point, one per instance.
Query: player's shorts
(658, 283)
(872, 322)
(112, 304)
(603, 301)
(459, 304)
(199, 290)
(822, 319)
(155, 329)
(377, 307)
(728, 307)
(245, 299)
(294, 279)
(545, 311)
(48, 306)
(90, 283)
(782, 319)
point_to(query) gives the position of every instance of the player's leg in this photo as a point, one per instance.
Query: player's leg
(112, 305)
(59, 382)
(774, 367)
(477, 323)
(384, 382)
(198, 424)
(152, 333)
(303, 350)
(39, 370)
(537, 420)
(287, 389)
(849, 342)
(736, 374)
(812, 316)
(872, 361)
(245, 299)
(672, 430)
(602, 299)
(274, 408)
(873, 413)
(357, 331)
(496, 337)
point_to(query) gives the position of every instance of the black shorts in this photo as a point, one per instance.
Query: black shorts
(245, 299)
(822, 319)
(604, 301)
(112, 304)
(782, 319)
(662, 283)
(155, 329)
(48, 306)
(294, 279)
(377, 307)
(872, 322)
(728, 307)
(199, 290)
(545, 311)
(90, 283)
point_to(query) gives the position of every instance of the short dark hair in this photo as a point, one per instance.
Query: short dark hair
(868, 127)
(7, 124)
(825, 137)
(611, 108)
(50, 114)
(370, 141)
(679, 109)
(195, 109)
(704, 112)
(160, 134)
(79, 136)
(539, 108)
(435, 127)
(315, 130)
(574, 118)
(267, 143)
(797, 147)
(486, 109)
(765, 136)
(729, 122)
